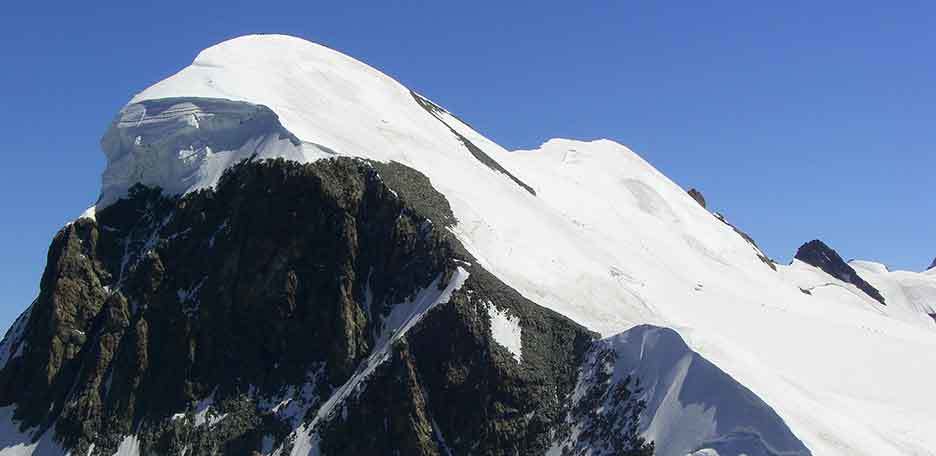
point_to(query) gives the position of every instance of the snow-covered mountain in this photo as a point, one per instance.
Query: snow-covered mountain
(431, 246)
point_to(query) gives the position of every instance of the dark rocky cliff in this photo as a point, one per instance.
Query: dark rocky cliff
(220, 321)
(820, 255)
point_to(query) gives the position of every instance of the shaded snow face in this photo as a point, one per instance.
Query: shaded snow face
(16, 442)
(12, 344)
(693, 405)
(185, 144)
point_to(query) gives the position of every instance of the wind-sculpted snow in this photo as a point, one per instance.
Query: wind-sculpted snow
(185, 144)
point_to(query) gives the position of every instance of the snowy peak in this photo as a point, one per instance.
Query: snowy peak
(932, 265)
(176, 134)
(320, 95)
(820, 255)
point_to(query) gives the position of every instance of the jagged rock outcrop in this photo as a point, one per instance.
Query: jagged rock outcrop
(697, 196)
(185, 320)
(820, 255)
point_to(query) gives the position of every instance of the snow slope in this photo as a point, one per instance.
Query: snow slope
(607, 240)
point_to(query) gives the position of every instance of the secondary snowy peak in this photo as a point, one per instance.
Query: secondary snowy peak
(932, 265)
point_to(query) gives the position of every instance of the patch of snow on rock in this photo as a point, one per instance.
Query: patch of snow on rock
(129, 446)
(506, 331)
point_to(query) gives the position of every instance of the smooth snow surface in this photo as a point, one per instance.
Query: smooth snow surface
(506, 331)
(607, 241)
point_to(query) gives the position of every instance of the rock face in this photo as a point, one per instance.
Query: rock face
(697, 196)
(221, 321)
(467, 395)
(818, 254)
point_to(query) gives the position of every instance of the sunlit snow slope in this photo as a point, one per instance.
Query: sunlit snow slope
(606, 239)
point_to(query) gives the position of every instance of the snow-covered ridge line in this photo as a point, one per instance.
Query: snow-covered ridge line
(439, 113)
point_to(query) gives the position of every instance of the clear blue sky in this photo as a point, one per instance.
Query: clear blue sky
(798, 120)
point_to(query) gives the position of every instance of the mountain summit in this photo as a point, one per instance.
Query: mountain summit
(294, 254)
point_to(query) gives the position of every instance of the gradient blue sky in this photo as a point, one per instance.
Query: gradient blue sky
(797, 120)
